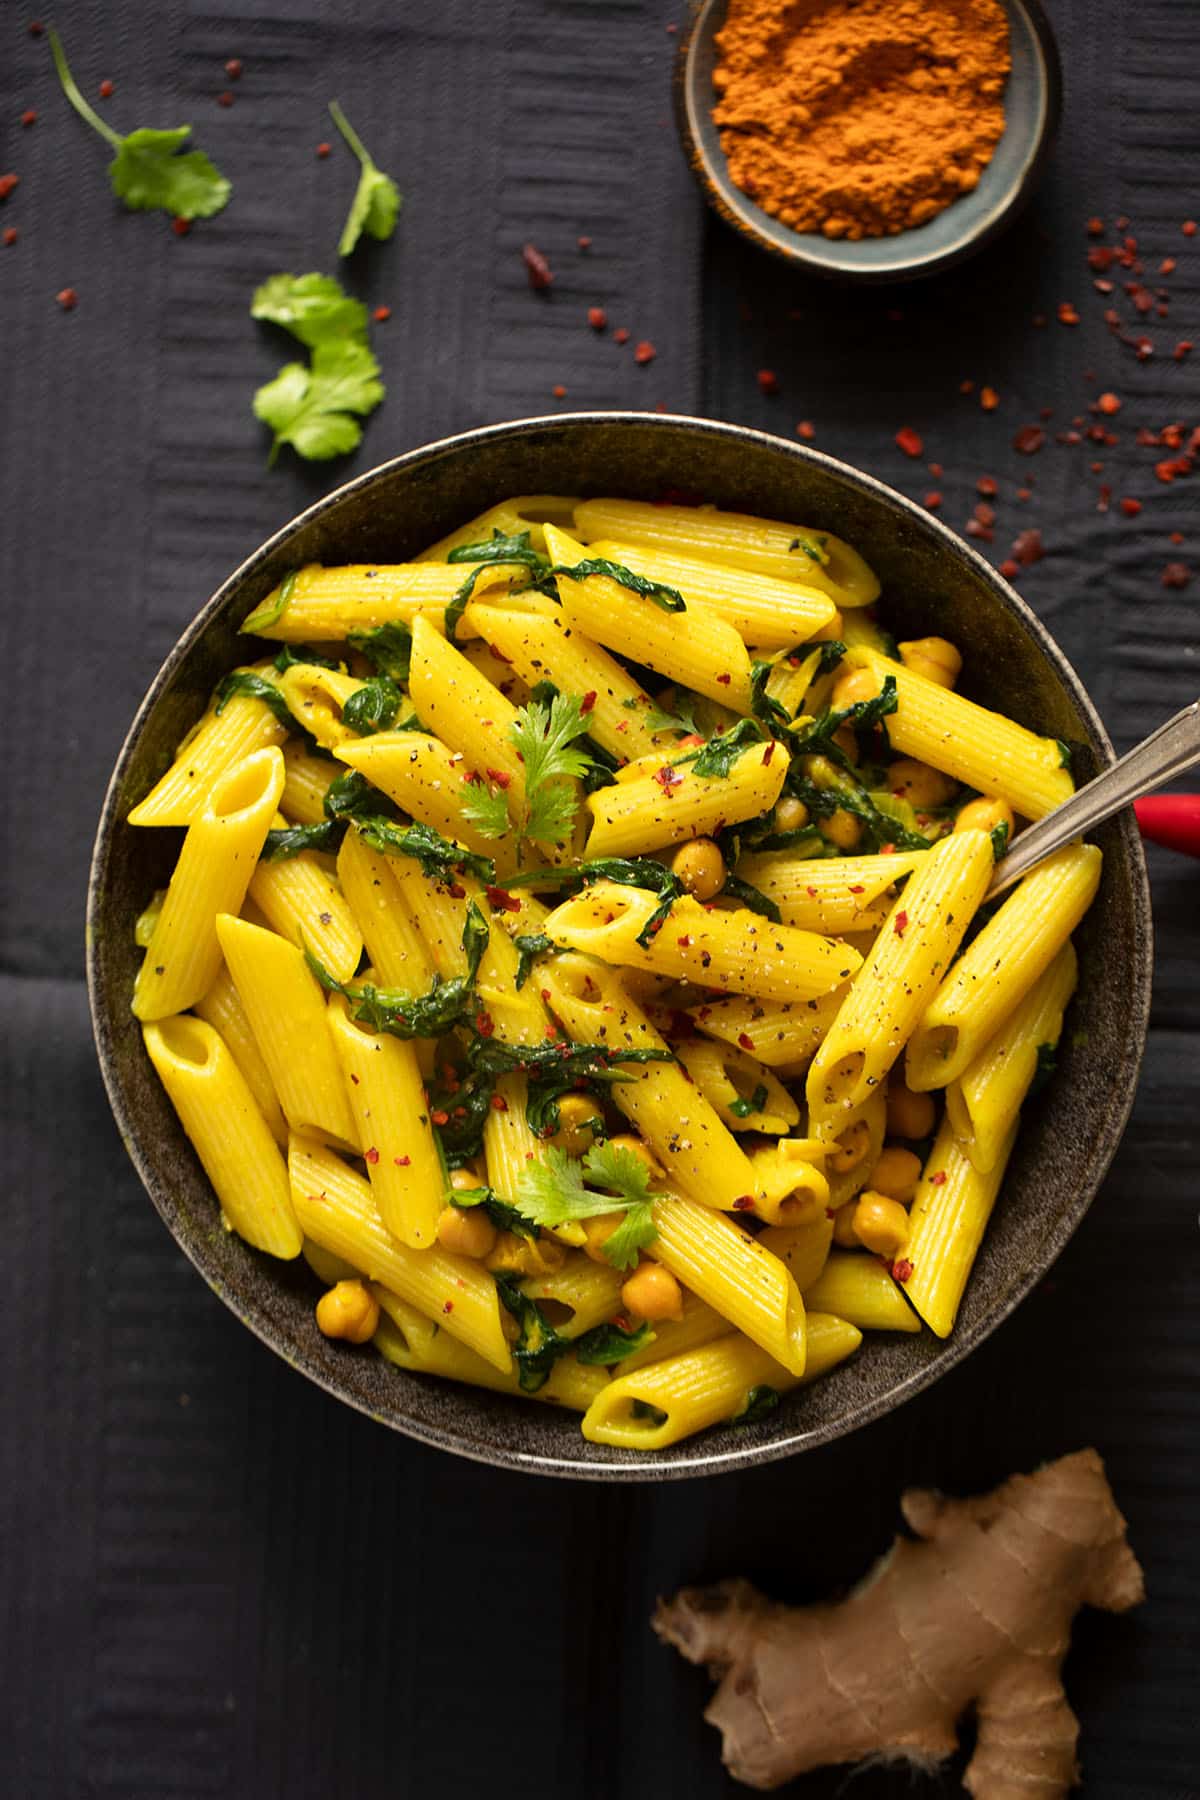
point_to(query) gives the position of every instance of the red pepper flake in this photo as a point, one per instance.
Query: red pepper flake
(536, 267)
(811, 892)
(989, 399)
(1029, 440)
(1170, 467)
(1103, 287)
(36, 28)
(667, 779)
(500, 900)
(1028, 547)
(67, 298)
(457, 891)
(10, 234)
(938, 1178)
(597, 318)
(559, 391)
(768, 753)
(588, 701)
(448, 1307)
(499, 1103)
(106, 89)
(1172, 437)
(7, 184)
(910, 441)
(1131, 508)
(1176, 575)
(984, 514)
(1039, 319)
(1108, 403)
(485, 1025)
(745, 1040)
(900, 924)
(371, 1155)
(402, 1162)
(1167, 266)
(936, 470)
(806, 429)
(1024, 493)
(1177, 537)
(382, 314)
(645, 352)
(181, 227)
(1095, 227)
(984, 533)
(233, 68)
(1188, 228)
(621, 335)
(1067, 314)
(440, 1117)
(225, 99)
(933, 500)
(901, 1270)
(744, 1203)
(1183, 348)
(500, 778)
(323, 150)
(584, 243)
(1105, 496)
(684, 942)
(1009, 569)
(966, 387)
(768, 381)
(987, 486)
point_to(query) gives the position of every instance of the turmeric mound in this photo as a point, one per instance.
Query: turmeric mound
(858, 118)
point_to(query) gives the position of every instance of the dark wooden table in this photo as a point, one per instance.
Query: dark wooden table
(218, 1582)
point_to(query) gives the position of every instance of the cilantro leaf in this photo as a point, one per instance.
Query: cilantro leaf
(543, 735)
(553, 1191)
(146, 172)
(312, 307)
(612, 1166)
(486, 808)
(311, 408)
(658, 718)
(610, 1343)
(636, 1231)
(377, 199)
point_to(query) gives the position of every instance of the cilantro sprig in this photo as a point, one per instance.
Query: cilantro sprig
(377, 200)
(610, 1179)
(147, 172)
(316, 406)
(544, 738)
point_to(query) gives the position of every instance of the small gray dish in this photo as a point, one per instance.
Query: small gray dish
(1033, 104)
(932, 582)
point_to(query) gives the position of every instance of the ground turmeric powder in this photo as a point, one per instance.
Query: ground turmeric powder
(858, 118)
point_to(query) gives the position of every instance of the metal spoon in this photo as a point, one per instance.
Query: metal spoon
(1166, 753)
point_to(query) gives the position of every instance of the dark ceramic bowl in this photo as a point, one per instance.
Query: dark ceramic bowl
(1032, 103)
(932, 582)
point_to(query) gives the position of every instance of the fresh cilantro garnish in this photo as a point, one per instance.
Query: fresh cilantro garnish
(555, 1190)
(543, 736)
(313, 408)
(388, 647)
(312, 307)
(606, 1344)
(658, 718)
(147, 172)
(377, 199)
(760, 1401)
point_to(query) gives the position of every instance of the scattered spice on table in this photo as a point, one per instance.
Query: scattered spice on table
(67, 298)
(645, 352)
(106, 90)
(621, 335)
(28, 117)
(584, 243)
(597, 318)
(225, 98)
(382, 314)
(1176, 575)
(806, 429)
(560, 392)
(910, 441)
(181, 227)
(323, 150)
(233, 68)
(7, 184)
(768, 381)
(537, 268)
(10, 235)
(860, 118)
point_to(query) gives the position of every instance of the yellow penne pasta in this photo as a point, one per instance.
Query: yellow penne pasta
(855, 1150)
(985, 1100)
(768, 546)
(744, 1093)
(526, 512)
(300, 899)
(431, 782)
(327, 1268)
(316, 698)
(495, 669)
(219, 742)
(861, 1289)
(975, 745)
(764, 611)
(892, 987)
(700, 1324)
(782, 1033)
(666, 1401)
(460, 706)
(230, 1135)
(336, 1208)
(307, 780)
(675, 1119)
(411, 1341)
(804, 1249)
(731, 1270)
(222, 1009)
(792, 1187)
(286, 1010)
(393, 941)
(829, 894)
(736, 950)
(693, 646)
(510, 1146)
(1000, 965)
(327, 604)
(215, 865)
(387, 1098)
(577, 1297)
(946, 1225)
(673, 803)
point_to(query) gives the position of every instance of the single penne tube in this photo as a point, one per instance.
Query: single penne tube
(804, 1249)
(336, 1208)
(414, 1342)
(947, 1221)
(694, 646)
(744, 1093)
(328, 1268)
(673, 803)
(525, 512)
(862, 1290)
(316, 698)
(1000, 965)
(510, 1146)
(215, 865)
(764, 611)
(580, 1295)
(856, 1149)
(429, 781)
(984, 1101)
(323, 605)
(893, 986)
(390, 932)
(829, 894)
(736, 950)
(767, 546)
(460, 706)
(666, 1401)
(516, 1015)
(545, 646)
(229, 1134)
(783, 1033)
(677, 1122)
(307, 779)
(731, 1270)
(791, 1185)
(970, 742)
(219, 742)
(700, 1324)
(300, 900)
(387, 1098)
(495, 669)
(221, 1008)
(286, 1010)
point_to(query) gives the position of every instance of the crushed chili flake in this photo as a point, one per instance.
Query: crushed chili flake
(382, 314)
(910, 441)
(323, 150)
(933, 500)
(811, 892)
(1188, 228)
(985, 514)
(225, 99)
(983, 532)
(621, 335)
(768, 381)
(499, 1103)
(371, 1155)
(106, 89)
(233, 68)
(1167, 266)
(1067, 314)
(684, 942)
(485, 1025)
(1105, 496)
(402, 1162)
(7, 184)
(597, 318)
(36, 28)
(1183, 348)
(559, 391)
(500, 778)
(584, 243)
(1029, 440)
(1177, 537)
(745, 1040)
(938, 1177)
(936, 470)
(1131, 508)
(966, 387)
(440, 1117)
(667, 779)
(1024, 493)
(987, 486)
(1095, 227)
(744, 1203)
(10, 234)
(588, 701)
(1103, 287)
(181, 227)
(457, 891)
(768, 753)
(448, 1307)
(1009, 569)
(1028, 547)
(901, 1269)
(989, 399)
(67, 298)
(900, 924)
(500, 900)
(28, 117)
(1176, 575)
(805, 429)
(536, 267)
(1170, 467)
(1108, 403)
(645, 352)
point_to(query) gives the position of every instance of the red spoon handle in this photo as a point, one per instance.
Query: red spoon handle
(1171, 819)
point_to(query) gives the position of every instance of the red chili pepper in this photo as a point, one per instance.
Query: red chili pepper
(910, 441)
(900, 924)
(1172, 820)
(667, 779)
(645, 352)
(536, 267)
(371, 1155)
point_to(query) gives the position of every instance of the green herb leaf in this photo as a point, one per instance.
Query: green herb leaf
(553, 1191)
(439, 858)
(658, 718)
(147, 172)
(312, 307)
(760, 1401)
(721, 752)
(605, 1344)
(326, 834)
(388, 647)
(544, 737)
(447, 1004)
(257, 687)
(377, 199)
(515, 547)
(539, 1346)
(312, 408)
(999, 837)
(668, 598)
(529, 944)
(503, 1216)
(772, 712)
(486, 808)
(373, 706)
(272, 611)
(636, 1232)
(745, 1109)
(832, 652)
(751, 898)
(1064, 753)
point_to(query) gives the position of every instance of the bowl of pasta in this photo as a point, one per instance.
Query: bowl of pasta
(540, 957)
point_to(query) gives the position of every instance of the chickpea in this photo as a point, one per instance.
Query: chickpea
(580, 1124)
(881, 1224)
(843, 1228)
(466, 1230)
(896, 1174)
(828, 633)
(841, 828)
(513, 1255)
(934, 657)
(598, 1232)
(985, 815)
(652, 1292)
(855, 686)
(851, 1147)
(464, 1180)
(920, 785)
(626, 1141)
(790, 814)
(700, 867)
(348, 1311)
(909, 1115)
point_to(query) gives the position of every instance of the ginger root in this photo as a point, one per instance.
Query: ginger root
(977, 1609)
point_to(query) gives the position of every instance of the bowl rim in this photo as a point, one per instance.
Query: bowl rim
(917, 268)
(649, 1466)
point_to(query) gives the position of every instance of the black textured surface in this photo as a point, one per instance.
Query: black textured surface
(217, 1581)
